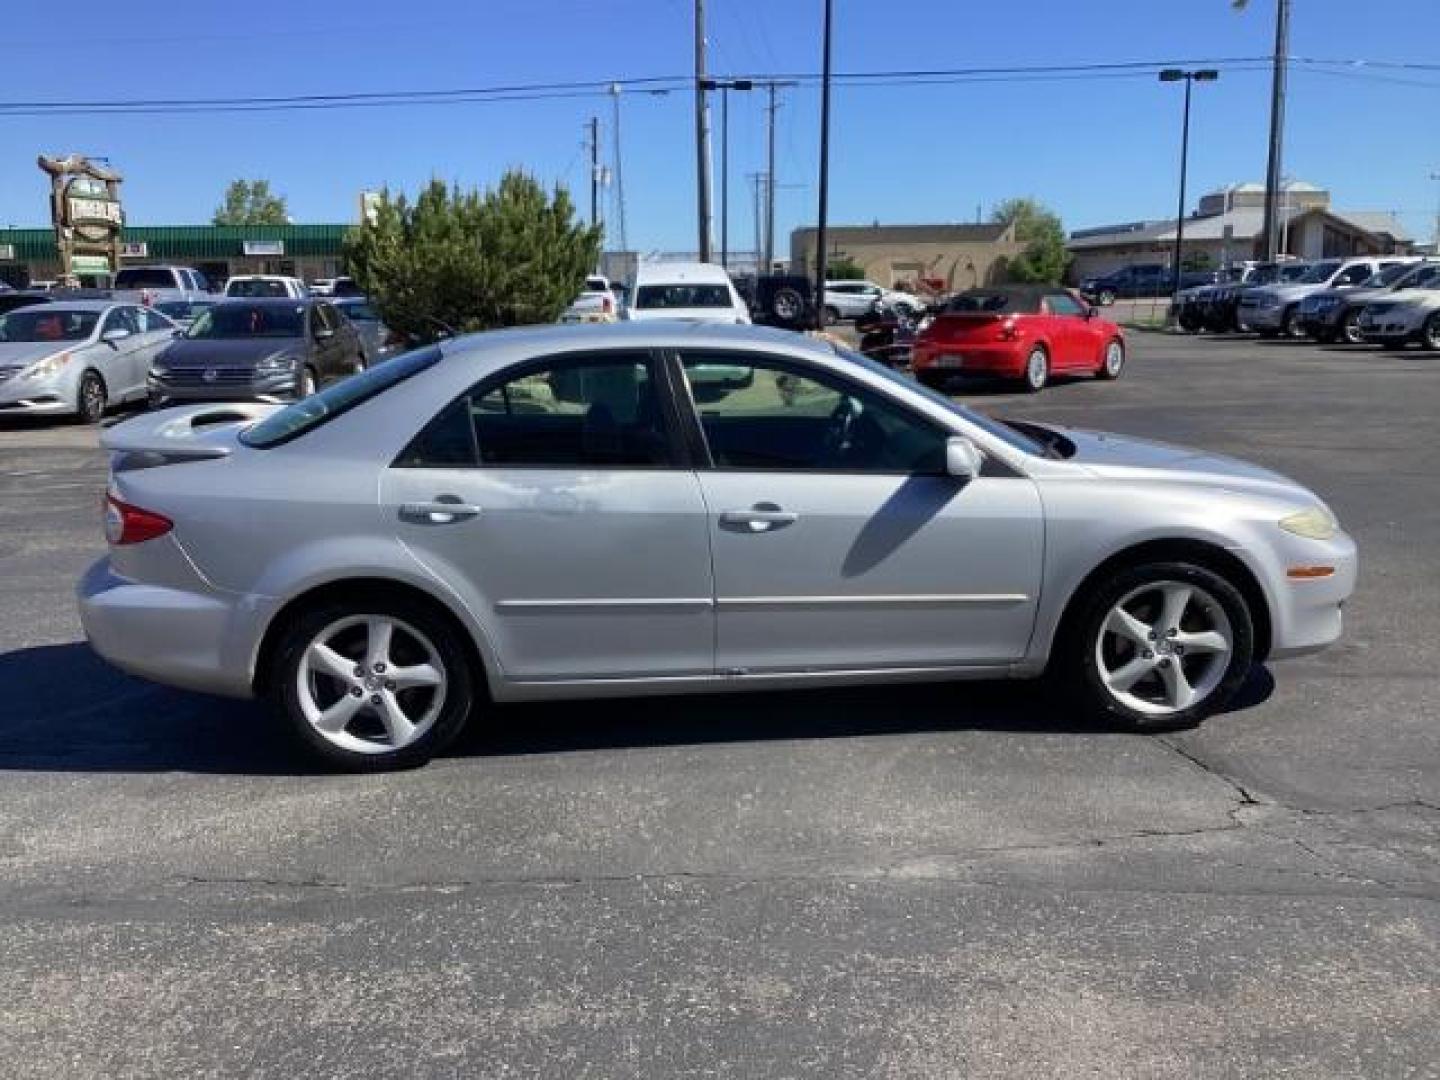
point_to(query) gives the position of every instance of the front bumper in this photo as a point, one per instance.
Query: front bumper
(190, 639)
(1261, 318)
(1306, 612)
(174, 387)
(1386, 327)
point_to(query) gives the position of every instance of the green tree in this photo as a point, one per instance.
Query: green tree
(463, 260)
(1044, 259)
(843, 268)
(251, 202)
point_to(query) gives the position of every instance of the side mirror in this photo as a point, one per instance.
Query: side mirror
(963, 458)
(110, 337)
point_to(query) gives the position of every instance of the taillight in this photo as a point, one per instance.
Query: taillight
(1009, 330)
(607, 305)
(126, 524)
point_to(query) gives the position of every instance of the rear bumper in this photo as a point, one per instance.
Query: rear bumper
(168, 635)
(990, 358)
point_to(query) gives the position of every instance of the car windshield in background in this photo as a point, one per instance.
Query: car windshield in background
(143, 277)
(47, 323)
(359, 312)
(1004, 432)
(682, 296)
(1389, 276)
(1423, 277)
(256, 288)
(1318, 274)
(249, 321)
(985, 303)
(182, 309)
(309, 413)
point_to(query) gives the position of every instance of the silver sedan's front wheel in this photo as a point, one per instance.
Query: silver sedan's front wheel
(1164, 647)
(1157, 646)
(370, 686)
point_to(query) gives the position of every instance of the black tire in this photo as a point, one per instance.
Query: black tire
(1105, 298)
(1349, 332)
(282, 682)
(1392, 344)
(90, 398)
(1430, 335)
(935, 380)
(1105, 371)
(787, 307)
(1037, 373)
(1074, 667)
(1290, 323)
(1190, 323)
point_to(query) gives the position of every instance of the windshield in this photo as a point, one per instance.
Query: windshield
(1424, 276)
(309, 413)
(182, 309)
(359, 312)
(1388, 276)
(256, 287)
(47, 323)
(682, 296)
(249, 321)
(1316, 274)
(977, 303)
(145, 277)
(1004, 432)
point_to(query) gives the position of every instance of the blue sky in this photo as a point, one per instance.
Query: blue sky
(1098, 150)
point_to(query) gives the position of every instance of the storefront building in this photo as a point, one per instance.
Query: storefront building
(219, 252)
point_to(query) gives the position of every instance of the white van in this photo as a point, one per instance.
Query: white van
(678, 290)
(254, 286)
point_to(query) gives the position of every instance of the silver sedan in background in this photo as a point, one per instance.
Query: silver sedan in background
(77, 358)
(381, 343)
(667, 508)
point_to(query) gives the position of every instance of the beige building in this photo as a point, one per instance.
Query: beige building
(1225, 229)
(955, 256)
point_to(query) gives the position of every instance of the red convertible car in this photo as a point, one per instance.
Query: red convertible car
(1024, 332)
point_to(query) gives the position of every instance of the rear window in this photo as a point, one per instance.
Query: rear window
(986, 303)
(309, 413)
(256, 288)
(242, 320)
(682, 296)
(145, 277)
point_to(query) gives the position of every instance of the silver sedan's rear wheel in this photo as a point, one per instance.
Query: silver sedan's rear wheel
(371, 686)
(1158, 646)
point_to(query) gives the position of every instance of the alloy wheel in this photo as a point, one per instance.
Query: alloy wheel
(1114, 358)
(1037, 369)
(1164, 648)
(371, 684)
(92, 398)
(1350, 329)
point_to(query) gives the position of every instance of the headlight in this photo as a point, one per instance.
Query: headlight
(1317, 523)
(43, 369)
(273, 365)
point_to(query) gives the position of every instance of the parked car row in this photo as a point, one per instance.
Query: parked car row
(1386, 300)
(63, 356)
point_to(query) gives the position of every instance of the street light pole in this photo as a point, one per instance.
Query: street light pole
(1188, 77)
(1275, 164)
(725, 87)
(1436, 177)
(824, 207)
(702, 135)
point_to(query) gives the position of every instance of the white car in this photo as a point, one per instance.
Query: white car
(1395, 323)
(696, 291)
(596, 303)
(850, 299)
(256, 286)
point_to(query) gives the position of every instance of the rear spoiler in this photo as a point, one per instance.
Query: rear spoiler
(184, 433)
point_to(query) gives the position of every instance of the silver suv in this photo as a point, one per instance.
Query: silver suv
(1274, 311)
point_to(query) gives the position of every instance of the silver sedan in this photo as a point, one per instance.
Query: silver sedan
(77, 358)
(647, 508)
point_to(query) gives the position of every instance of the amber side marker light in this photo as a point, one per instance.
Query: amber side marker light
(1309, 573)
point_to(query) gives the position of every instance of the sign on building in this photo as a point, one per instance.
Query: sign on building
(7, 252)
(264, 248)
(135, 249)
(86, 212)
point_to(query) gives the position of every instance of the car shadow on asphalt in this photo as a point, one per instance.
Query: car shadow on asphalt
(72, 712)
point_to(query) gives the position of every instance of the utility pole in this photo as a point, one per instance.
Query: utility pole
(1436, 176)
(1268, 230)
(771, 87)
(725, 87)
(594, 170)
(619, 176)
(702, 136)
(757, 181)
(824, 207)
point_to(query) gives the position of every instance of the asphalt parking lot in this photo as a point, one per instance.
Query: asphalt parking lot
(920, 882)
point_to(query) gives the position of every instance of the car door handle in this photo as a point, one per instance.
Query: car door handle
(759, 518)
(441, 511)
